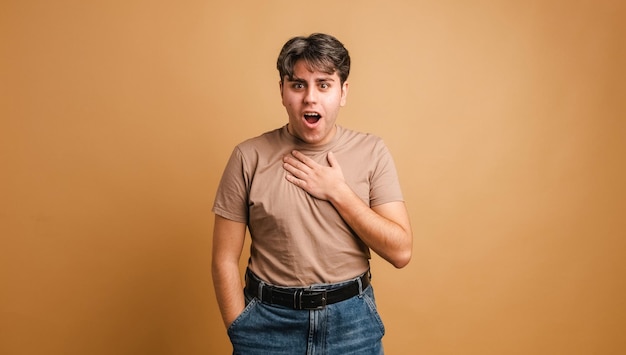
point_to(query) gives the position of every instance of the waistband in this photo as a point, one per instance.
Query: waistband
(309, 298)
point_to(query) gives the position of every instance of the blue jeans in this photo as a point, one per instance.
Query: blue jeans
(352, 326)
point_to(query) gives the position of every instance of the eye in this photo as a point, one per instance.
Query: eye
(324, 85)
(297, 86)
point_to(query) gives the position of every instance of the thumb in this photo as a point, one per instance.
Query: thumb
(331, 159)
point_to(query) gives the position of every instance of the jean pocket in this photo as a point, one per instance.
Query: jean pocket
(241, 317)
(368, 296)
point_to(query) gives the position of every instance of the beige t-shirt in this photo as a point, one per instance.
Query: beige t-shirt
(297, 239)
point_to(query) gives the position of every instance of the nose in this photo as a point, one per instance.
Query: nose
(310, 95)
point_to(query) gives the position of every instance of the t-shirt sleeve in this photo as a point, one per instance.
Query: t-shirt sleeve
(231, 199)
(384, 182)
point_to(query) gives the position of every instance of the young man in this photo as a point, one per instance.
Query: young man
(316, 198)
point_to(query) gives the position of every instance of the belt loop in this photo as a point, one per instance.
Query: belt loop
(360, 285)
(260, 290)
(297, 299)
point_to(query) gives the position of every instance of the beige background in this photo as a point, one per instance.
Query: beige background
(506, 119)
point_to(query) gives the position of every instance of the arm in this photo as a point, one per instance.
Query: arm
(228, 238)
(385, 228)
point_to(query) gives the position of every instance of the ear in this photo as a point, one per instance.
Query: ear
(344, 93)
(280, 85)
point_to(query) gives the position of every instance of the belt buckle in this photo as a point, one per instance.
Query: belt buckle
(310, 292)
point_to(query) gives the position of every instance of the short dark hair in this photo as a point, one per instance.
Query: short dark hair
(319, 51)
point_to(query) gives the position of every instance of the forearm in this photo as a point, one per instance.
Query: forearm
(228, 290)
(228, 237)
(390, 239)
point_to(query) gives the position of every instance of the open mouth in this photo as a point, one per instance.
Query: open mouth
(312, 117)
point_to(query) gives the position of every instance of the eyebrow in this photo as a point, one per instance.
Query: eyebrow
(299, 80)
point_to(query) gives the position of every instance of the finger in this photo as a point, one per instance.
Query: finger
(292, 164)
(331, 159)
(293, 170)
(303, 158)
(295, 181)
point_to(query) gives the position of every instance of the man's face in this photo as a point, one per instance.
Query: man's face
(312, 100)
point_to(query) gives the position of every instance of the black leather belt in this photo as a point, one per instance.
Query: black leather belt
(304, 298)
